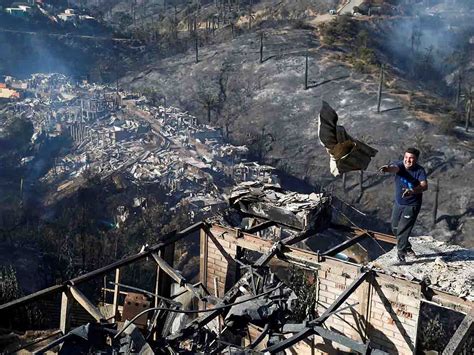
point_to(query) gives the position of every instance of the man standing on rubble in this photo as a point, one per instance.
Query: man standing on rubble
(410, 183)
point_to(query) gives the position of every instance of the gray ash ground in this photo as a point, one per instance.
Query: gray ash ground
(444, 266)
(271, 97)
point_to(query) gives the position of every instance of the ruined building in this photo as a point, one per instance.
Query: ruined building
(257, 292)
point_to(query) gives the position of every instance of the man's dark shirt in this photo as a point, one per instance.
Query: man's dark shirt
(408, 179)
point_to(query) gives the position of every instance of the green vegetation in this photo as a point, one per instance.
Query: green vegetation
(341, 32)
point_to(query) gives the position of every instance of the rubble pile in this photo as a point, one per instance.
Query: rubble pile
(446, 267)
(270, 202)
(115, 132)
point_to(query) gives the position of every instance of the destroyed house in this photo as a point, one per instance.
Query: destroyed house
(256, 292)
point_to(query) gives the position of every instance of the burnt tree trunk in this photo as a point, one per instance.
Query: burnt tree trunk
(379, 96)
(435, 205)
(196, 46)
(306, 72)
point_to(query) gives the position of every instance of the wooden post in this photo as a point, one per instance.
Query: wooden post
(66, 303)
(379, 96)
(469, 109)
(306, 72)
(261, 47)
(216, 293)
(196, 46)
(164, 279)
(435, 205)
(250, 14)
(458, 91)
(86, 304)
(203, 256)
(116, 295)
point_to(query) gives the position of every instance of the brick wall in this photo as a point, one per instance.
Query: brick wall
(386, 313)
(385, 309)
(214, 264)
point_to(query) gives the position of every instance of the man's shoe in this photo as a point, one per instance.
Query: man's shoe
(401, 259)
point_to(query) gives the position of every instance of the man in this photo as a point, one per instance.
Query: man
(410, 183)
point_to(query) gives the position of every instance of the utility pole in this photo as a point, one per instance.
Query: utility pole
(21, 194)
(261, 47)
(306, 72)
(250, 14)
(458, 91)
(468, 109)
(379, 96)
(435, 205)
(196, 46)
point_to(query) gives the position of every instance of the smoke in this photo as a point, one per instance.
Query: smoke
(426, 47)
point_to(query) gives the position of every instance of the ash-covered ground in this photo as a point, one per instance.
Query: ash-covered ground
(266, 106)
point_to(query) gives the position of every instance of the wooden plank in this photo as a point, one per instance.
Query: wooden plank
(34, 296)
(464, 331)
(168, 239)
(116, 294)
(203, 256)
(86, 304)
(348, 243)
(66, 304)
(251, 242)
(166, 268)
(165, 280)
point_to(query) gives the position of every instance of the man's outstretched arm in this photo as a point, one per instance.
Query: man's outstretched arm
(392, 169)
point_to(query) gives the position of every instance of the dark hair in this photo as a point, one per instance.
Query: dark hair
(413, 151)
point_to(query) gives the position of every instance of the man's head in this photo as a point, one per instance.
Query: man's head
(411, 157)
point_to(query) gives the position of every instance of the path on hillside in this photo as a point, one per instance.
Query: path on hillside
(347, 9)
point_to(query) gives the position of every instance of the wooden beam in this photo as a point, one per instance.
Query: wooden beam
(464, 331)
(355, 231)
(86, 304)
(66, 304)
(116, 294)
(165, 267)
(260, 227)
(203, 258)
(252, 242)
(348, 243)
(168, 239)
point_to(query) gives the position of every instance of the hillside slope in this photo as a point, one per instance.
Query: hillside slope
(266, 106)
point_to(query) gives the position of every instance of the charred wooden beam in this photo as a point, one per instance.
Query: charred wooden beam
(464, 331)
(168, 239)
(260, 227)
(175, 275)
(348, 243)
(86, 304)
(229, 297)
(342, 297)
(355, 230)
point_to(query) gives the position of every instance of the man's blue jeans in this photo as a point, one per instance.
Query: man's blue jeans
(403, 220)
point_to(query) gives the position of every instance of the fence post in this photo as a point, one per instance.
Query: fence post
(116, 294)
(66, 303)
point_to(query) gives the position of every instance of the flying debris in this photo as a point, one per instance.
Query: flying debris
(346, 153)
